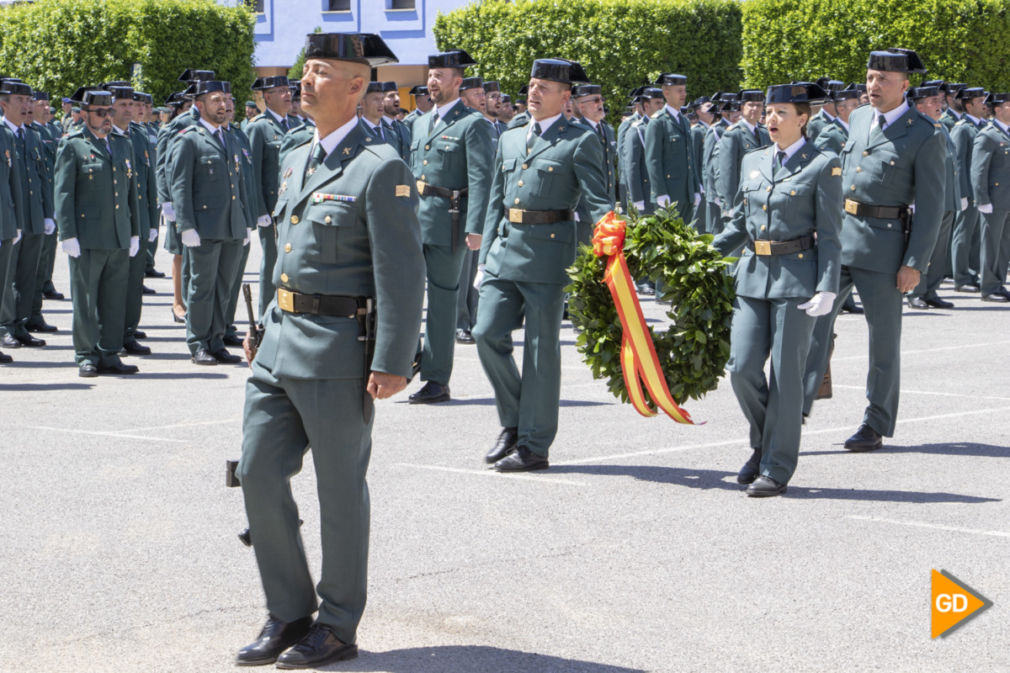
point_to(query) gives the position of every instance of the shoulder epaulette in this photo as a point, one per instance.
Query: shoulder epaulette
(258, 117)
(187, 129)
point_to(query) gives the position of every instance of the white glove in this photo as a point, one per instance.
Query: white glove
(72, 247)
(718, 202)
(663, 200)
(264, 221)
(152, 234)
(50, 226)
(964, 203)
(16, 238)
(134, 245)
(478, 277)
(190, 238)
(697, 199)
(168, 211)
(985, 210)
(639, 205)
(245, 241)
(820, 304)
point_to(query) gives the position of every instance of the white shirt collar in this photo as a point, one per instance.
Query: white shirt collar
(954, 113)
(1000, 124)
(792, 149)
(387, 119)
(544, 124)
(595, 125)
(13, 127)
(369, 123)
(276, 116)
(830, 117)
(845, 124)
(973, 120)
(750, 127)
(121, 132)
(443, 110)
(889, 117)
(674, 113)
(331, 141)
(210, 127)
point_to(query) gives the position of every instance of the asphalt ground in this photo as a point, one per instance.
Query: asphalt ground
(636, 551)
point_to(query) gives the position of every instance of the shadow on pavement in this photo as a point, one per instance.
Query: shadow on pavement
(471, 659)
(948, 449)
(170, 376)
(38, 387)
(40, 364)
(489, 401)
(708, 479)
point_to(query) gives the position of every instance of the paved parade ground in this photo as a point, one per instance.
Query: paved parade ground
(636, 551)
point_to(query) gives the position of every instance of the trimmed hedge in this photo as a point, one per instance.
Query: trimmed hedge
(958, 40)
(60, 45)
(621, 43)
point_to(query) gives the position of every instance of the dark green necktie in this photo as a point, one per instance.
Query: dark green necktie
(315, 159)
(781, 159)
(533, 137)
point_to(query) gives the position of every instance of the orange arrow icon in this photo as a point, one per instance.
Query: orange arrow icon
(954, 603)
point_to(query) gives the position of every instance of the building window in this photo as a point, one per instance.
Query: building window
(401, 4)
(256, 5)
(338, 5)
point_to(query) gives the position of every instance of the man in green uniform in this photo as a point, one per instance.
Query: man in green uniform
(745, 135)
(209, 196)
(668, 151)
(827, 114)
(11, 219)
(954, 110)
(422, 103)
(451, 161)
(589, 103)
(541, 173)
(399, 136)
(99, 225)
(492, 106)
(341, 333)
(265, 133)
(990, 180)
(893, 158)
(834, 135)
(523, 117)
(44, 289)
(965, 242)
(241, 140)
(724, 104)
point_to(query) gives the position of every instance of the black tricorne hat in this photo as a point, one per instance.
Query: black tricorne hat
(211, 86)
(454, 58)
(954, 87)
(670, 78)
(264, 83)
(751, 96)
(652, 92)
(829, 84)
(419, 90)
(142, 97)
(969, 92)
(924, 91)
(491, 86)
(366, 48)
(797, 92)
(96, 97)
(580, 90)
(558, 70)
(12, 85)
(374, 87)
(192, 75)
(40, 95)
(995, 98)
(850, 92)
(389, 86)
(472, 83)
(896, 59)
(120, 91)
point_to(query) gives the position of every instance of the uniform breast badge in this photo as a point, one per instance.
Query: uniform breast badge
(319, 197)
(129, 169)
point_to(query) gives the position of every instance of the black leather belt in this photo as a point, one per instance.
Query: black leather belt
(765, 248)
(882, 212)
(424, 189)
(321, 304)
(520, 216)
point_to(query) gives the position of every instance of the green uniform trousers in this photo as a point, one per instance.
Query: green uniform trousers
(773, 329)
(883, 304)
(17, 305)
(6, 271)
(149, 249)
(44, 277)
(995, 254)
(713, 218)
(466, 297)
(964, 247)
(443, 266)
(529, 401)
(268, 260)
(134, 293)
(283, 418)
(233, 299)
(938, 261)
(98, 291)
(211, 279)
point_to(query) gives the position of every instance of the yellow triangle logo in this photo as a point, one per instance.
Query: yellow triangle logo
(953, 603)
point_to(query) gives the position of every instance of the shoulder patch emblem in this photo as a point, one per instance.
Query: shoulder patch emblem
(403, 190)
(836, 171)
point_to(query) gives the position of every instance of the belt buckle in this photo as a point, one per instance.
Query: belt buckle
(516, 215)
(286, 300)
(851, 207)
(420, 187)
(763, 247)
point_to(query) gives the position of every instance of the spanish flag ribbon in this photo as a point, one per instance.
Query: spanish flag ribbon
(639, 361)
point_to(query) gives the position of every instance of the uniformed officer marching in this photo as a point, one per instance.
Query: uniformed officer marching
(523, 117)
(833, 136)
(726, 107)
(745, 135)
(635, 172)
(787, 215)
(397, 133)
(341, 332)
(828, 113)
(541, 172)
(49, 137)
(209, 197)
(893, 158)
(668, 150)
(965, 241)
(990, 180)
(99, 224)
(588, 100)
(953, 110)
(451, 161)
(421, 105)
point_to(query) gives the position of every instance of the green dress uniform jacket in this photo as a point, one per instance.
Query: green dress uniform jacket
(164, 158)
(455, 153)
(525, 267)
(899, 166)
(634, 171)
(698, 132)
(12, 212)
(951, 117)
(409, 119)
(710, 174)
(821, 121)
(622, 182)
(47, 258)
(931, 279)
(147, 209)
(734, 144)
(669, 160)
(990, 181)
(398, 136)
(266, 134)
(347, 229)
(832, 137)
(521, 119)
(803, 198)
(609, 143)
(295, 138)
(965, 242)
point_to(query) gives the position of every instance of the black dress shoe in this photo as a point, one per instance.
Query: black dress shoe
(232, 340)
(139, 334)
(118, 369)
(318, 648)
(463, 336)
(146, 290)
(5, 359)
(225, 357)
(153, 273)
(749, 471)
(30, 341)
(176, 318)
(522, 460)
(431, 393)
(917, 302)
(646, 289)
(87, 371)
(202, 357)
(865, 439)
(967, 287)
(53, 295)
(936, 302)
(275, 637)
(134, 347)
(9, 341)
(995, 297)
(39, 325)
(503, 446)
(764, 487)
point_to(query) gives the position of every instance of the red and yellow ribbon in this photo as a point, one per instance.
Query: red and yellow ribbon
(639, 361)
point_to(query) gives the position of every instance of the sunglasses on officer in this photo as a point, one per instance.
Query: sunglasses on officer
(98, 111)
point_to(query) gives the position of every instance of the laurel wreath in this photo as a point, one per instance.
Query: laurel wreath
(694, 348)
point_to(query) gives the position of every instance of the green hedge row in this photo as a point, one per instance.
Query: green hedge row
(621, 43)
(60, 45)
